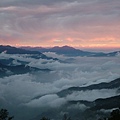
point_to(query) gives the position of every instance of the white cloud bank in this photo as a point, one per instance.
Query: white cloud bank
(47, 101)
(21, 89)
(91, 95)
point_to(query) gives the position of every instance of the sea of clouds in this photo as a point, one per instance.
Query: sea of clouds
(19, 91)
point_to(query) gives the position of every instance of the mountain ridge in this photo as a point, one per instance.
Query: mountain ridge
(70, 51)
(13, 50)
(104, 85)
(6, 70)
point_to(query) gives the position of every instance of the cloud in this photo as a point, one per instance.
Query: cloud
(36, 2)
(92, 95)
(81, 71)
(78, 106)
(54, 55)
(21, 90)
(25, 22)
(24, 58)
(47, 101)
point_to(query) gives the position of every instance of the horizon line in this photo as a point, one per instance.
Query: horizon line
(90, 48)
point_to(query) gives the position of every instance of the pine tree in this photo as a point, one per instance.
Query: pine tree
(4, 115)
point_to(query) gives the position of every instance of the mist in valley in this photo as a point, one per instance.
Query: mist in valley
(34, 93)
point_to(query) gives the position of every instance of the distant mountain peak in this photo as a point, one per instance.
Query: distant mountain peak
(63, 47)
(71, 51)
(67, 47)
(13, 50)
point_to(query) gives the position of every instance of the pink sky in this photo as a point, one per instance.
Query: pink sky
(77, 23)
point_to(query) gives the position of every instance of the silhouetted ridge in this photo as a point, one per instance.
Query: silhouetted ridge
(111, 85)
(101, 103)
(70, 51)
(14, 50)
(6, 70)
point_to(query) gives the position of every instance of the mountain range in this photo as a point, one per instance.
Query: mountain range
(14, 61)
(16, 65)
(7, 70)
(13, 50)
(86, 110)
(104, 85)
(70, 51)
(115, 84)
(64, 50)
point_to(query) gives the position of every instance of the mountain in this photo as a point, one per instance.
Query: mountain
(14, 50)
(101, 103)
(6, 70)
(70, 51)
(65, 50)
(111, 85)
(10, 61)
(98, 108)
(85, 111)
(107, 103)
(104, 85)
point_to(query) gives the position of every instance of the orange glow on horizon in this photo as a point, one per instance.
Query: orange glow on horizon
(91, 46)
(96, 43)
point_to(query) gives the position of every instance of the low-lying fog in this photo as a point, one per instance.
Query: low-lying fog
(17, 92)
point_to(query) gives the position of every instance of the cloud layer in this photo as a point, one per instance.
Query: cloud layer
(79, 72)
(38, 90)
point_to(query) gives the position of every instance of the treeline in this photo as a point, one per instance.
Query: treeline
(114, 115)
(4, 115)
(65, 117)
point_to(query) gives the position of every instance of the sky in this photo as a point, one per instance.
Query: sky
(47, 23)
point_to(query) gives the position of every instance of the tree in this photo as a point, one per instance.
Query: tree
(65, 117)
(4, 115)
(115, 115)
(44, 118)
